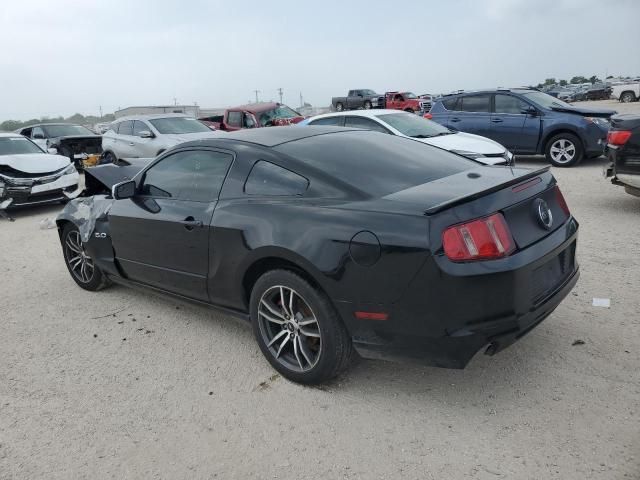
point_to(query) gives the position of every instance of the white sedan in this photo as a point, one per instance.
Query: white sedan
(405, 124)
(30, 176)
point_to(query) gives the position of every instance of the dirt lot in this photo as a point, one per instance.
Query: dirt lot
(122, 384)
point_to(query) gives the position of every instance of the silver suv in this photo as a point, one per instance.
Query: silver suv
(146, 136)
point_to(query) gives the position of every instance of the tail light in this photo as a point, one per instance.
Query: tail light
(618, 137)
(482, 239)
(561, 201)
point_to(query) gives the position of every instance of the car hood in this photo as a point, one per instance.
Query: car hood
(466, 142)
(35, 162)
(188, 137)
(587, 112)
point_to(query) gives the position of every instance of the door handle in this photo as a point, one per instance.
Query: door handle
(455, 119)
(496, 120)
(190, 223)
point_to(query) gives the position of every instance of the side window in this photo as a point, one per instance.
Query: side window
(37, 132)
(474, 103)
(337, 121)
(126, 128)
(195, 175)
(139, 127)
(450, 103)
(360, 122)
(248, 120)
(113, 127)
(267, 178)
(508, 104)
(234, 119)
(26, 132)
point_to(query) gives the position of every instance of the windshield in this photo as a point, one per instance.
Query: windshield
(409, 95)
(17, 146)
(178, 125)
(54, 131)
(544, 100)
(413, 125)
(281, 111)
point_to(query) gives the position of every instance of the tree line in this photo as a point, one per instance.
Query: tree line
(78, 118)
(574, 81)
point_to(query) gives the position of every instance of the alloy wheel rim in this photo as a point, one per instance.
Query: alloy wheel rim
(289, 328)
(563, 151)
(80, 263)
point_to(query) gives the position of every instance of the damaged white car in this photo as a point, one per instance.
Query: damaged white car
(30, 176)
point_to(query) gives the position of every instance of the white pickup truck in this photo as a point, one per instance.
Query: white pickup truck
(627, 92)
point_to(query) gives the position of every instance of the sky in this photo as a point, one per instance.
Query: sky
(66, 56)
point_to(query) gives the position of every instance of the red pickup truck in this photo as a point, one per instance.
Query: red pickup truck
(254, 115)
(407, 101)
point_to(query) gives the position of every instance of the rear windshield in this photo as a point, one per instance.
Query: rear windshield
(177, 125)
(54, 131)
(376, 163)
(17, 146)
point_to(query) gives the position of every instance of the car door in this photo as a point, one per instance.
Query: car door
(142, 146)
(472, 115)
(122, 145)
(161, 235)
(512, 125)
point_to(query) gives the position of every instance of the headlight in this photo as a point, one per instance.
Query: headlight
(70, 169)
(472, 155)
(603, 122)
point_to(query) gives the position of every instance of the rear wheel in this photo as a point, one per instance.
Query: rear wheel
(564, 150)
(297, 328)
(410, 110)
(339, 107)
(628, 97)
(81, 266)
(110, 157)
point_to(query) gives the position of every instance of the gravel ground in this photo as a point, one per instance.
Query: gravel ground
(122, 384)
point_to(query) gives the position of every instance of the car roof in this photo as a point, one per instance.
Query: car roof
(489, 90)
(256, 107)
(273, 136)
(151, 116)
(359, 113)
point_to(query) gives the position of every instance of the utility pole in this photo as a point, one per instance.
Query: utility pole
(175, 101)
(301, 101)
(100, 107)
(256, 92)
(280, 93)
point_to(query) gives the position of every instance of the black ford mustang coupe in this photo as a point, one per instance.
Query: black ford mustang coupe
(329, 240)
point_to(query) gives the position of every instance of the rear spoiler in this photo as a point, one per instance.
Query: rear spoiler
(483, 192)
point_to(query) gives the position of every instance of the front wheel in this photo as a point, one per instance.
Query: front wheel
(339, 107)
(297, 328)
(564, 150)
(81, 266)
(627, 97)
(367, 105)
(110, 157)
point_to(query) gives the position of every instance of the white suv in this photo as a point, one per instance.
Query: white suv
(146, 136)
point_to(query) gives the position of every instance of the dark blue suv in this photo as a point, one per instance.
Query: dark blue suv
(527, 122)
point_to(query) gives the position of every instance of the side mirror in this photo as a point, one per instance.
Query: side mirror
(122, 190)
(146, 134)
(38, 136)
(530, 111)
(52, 150)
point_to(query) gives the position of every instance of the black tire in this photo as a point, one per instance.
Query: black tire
(324, 337)
(367, 105)
(560, 154)
(627, 97)
(409, 110)
(91, 279)
(110, 157)
(339, 107)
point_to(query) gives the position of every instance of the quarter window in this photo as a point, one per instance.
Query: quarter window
(267, 178)
(360, 122)
(234, 119)
(195, 175)
(337, 121)
(508, 104)
(474, 103)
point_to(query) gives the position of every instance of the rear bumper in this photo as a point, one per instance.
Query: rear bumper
(449, 314)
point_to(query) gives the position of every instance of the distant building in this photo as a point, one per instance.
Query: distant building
(192, 110)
